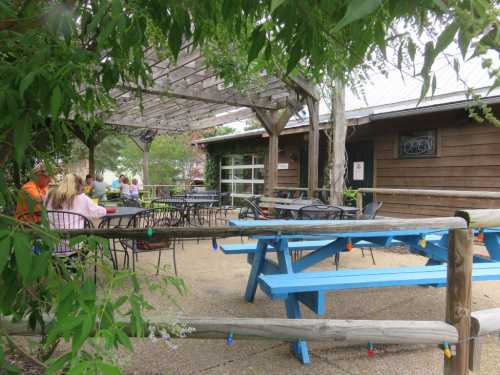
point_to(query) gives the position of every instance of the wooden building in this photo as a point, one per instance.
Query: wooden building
(433, 147)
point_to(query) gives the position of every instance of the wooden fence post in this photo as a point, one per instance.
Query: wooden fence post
(458, 297)
(359, 202)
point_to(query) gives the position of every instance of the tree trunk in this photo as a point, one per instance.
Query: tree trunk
(313, 106)
(91, 146)
(339, 138)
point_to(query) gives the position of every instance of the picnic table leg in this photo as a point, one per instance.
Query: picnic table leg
(258, 261)
(299, 347)
(492, 244)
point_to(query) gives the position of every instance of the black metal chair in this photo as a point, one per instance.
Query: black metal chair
(162, 217)
(116, 245)
(370, 210)
(126, 202)
(71, 253)
(67, 220)
(251, 210)
(319, 212)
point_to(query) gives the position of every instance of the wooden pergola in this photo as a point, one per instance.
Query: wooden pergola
(187, 95)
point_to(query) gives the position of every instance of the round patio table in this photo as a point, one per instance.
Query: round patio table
(125, 211)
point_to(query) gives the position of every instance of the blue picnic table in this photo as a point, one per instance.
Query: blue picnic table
(284, 279)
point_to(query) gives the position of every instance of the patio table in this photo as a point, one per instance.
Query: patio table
(188, 206)
(294, 208)
(124, 211)
(261, 265)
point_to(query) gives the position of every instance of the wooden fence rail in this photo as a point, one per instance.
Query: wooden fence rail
(344, 226)
(335, 331)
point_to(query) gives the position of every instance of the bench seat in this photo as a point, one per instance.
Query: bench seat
(280, 285)
(251, 247)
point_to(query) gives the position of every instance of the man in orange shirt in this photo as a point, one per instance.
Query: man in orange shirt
(32, 194)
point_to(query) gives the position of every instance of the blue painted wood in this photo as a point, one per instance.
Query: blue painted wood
(492, 243)
(356, 279)
(255, 271)
(314, 300)
(251, 247)
(319, 255)
(293, 312)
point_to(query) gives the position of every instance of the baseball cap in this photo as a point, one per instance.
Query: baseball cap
(39, 168)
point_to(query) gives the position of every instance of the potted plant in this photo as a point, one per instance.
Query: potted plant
(349, 195)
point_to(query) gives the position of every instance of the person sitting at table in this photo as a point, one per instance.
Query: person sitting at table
(32, 194)
(100, 188)
(125, 188)
(69, 197)
(89, 184)
(134, 189)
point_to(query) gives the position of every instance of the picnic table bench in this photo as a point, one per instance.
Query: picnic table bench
(284, 280)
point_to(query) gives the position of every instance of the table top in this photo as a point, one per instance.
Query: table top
(187, 200)
(125, 211)
(297, 207)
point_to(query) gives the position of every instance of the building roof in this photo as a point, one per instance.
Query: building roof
(366, 115)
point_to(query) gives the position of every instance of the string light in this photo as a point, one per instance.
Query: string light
(348, 245)
(446, 350)
(422, 242)
(149, 232)
(371, 350)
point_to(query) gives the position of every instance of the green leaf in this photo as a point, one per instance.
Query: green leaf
(22, 134)
(356, 10)
(124, 339)
(429, 57)
(464, 38)
(433, 85)
(26, 82)
(294, 58)
(258, 39)
(5, 249)
(446, 37)
(175, 38)
(107, 369)
(55, 102)
(275, 4)
(24, 255)
(412, 49)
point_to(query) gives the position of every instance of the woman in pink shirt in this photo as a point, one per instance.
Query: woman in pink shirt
(69, 197)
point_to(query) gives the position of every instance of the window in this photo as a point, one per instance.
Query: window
(417, 144)
(242, 175)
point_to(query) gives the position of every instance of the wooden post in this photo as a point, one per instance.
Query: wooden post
(483, 322)
(458, 297)
(312, 182)
(272, 164)
(145, 164)
(339, 139)
(359, 202)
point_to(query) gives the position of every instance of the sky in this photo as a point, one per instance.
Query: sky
(397, 86)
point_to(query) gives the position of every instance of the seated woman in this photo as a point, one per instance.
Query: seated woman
(69, 198)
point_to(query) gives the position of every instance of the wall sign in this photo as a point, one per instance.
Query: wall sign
(282, 165)
(358, 171)
(417, 144)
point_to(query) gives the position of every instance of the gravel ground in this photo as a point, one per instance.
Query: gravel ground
(216, 286)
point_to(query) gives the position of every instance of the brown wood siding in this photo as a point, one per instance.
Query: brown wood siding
(468, 159)
(288, 146)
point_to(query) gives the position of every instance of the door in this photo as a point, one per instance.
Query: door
(360, 167)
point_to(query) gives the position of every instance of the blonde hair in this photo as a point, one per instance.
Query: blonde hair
(65, 193)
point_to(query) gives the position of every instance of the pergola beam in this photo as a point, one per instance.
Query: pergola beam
(212, 96)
